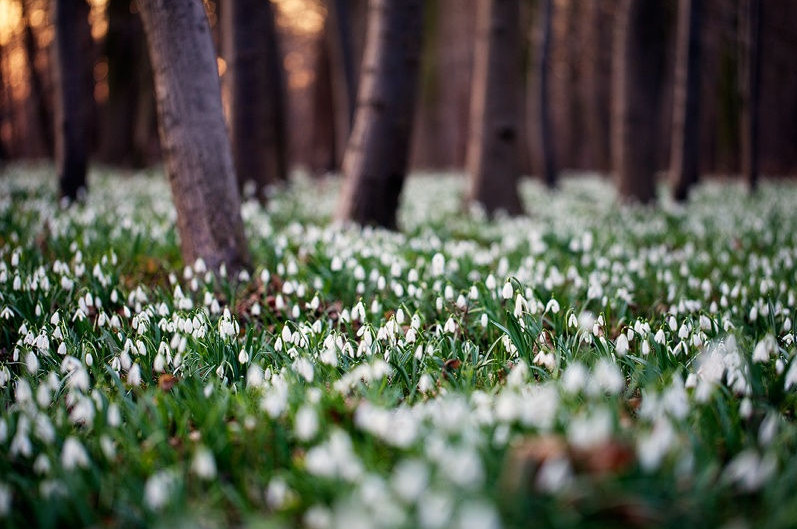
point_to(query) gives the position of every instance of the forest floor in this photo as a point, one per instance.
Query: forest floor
(590, 365)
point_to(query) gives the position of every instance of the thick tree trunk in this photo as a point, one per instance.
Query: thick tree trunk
(685, 156)
(193, 134)
(254, 87)
(73, 95)
(546, 132)
(493, 161)
(750, 27)
(341, 53)
(597, 17)
(638, 79)
(440, 138)
(377, 154)
(325, 155)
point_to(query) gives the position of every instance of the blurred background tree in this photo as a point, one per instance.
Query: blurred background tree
(746, 85)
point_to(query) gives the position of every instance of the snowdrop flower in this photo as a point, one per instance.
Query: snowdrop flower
(450, 326)
(572, 321)
(114, 416)
(438, 265)
(410, 479)
(31, 362)
(425, 383)
(791, 376)
(306, 423)
(574, 378)
(585, 431)
(606, 377)
(243, 356)
(304, 368)
(545, 359)
(159, 364)
(764, 349)
(203, 465)
(73, 455)
(134, 376)
(554, 475)
(159, 488)
(621, 345)
(508, 291)
(749, 470)
(434, 510)
(552, 306)
(278, 494)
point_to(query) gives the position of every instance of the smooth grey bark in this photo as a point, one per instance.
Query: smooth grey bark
(377, 154)
(193, 134)
(73, 95)
(493, 160)
(254, 83)
(685, 154)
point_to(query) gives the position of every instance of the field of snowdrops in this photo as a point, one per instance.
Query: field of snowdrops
(590, 365)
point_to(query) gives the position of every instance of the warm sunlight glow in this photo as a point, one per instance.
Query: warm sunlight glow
(305, 17)
(10, 17)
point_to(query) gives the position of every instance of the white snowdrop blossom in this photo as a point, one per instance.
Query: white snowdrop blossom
(73, 455)
(203, 465)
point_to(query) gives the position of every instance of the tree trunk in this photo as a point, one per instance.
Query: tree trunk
(546, 132)
(377, 154)
(638, 76)
(750, 26)
(341, 53)
(597, 18)
(493, 160)
(253, 81)
(325, 156)
(4, 113)
(126, 54)
(73, 95)
(41, 102)
(685, 156)
(193, 135)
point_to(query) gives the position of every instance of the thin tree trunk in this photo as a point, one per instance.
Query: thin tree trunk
(44, 113)
(546, 132)
(253, 81)
(376, 159)
(638, 76)
(493, 160)
(750, 26)
(73, 95)
(193, 134)
(685, 156)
